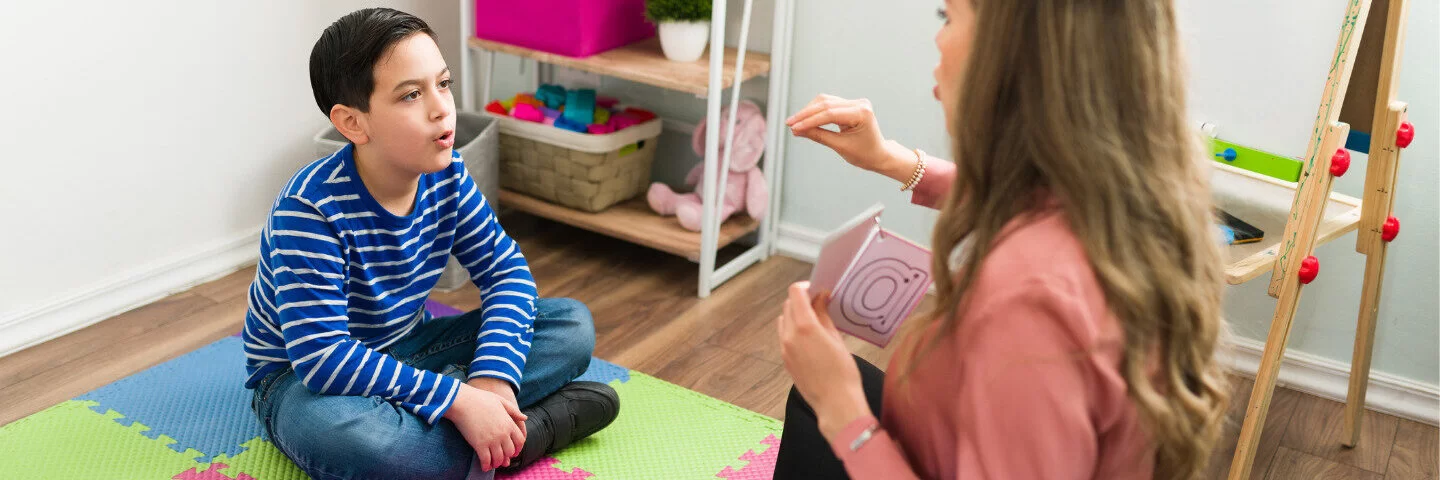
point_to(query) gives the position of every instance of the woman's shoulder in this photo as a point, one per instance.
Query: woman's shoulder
(1040, 260)
(1039, 246)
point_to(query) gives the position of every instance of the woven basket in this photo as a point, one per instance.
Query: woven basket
(580, 171)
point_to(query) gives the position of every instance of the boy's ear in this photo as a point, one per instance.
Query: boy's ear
(350, 123)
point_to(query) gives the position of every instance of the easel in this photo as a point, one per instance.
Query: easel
(1371, 50)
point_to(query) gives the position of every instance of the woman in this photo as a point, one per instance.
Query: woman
(1074, 335)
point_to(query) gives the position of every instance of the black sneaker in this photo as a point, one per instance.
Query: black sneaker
(576, 411)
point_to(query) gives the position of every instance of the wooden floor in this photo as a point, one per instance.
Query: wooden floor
(647, 318)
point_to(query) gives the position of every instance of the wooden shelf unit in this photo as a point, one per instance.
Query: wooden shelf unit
(632, 221)
(643, 62)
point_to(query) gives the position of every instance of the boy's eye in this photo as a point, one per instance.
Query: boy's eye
(940, 13)
(445, 83)
(411, 96)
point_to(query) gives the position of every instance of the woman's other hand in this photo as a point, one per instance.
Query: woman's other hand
(823, 370)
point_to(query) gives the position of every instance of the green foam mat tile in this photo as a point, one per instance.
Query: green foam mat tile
(665, 431)
(46, 445)
(262, 461)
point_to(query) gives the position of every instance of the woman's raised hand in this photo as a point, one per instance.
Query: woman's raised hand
(858, 139)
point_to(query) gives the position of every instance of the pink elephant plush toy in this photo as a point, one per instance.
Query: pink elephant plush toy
(745, 188)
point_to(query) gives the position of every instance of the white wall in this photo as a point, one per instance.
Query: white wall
(885, 51)
(143, 143)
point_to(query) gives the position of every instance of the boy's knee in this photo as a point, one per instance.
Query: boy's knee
(568, 310)
(575, 323)
(359, 442)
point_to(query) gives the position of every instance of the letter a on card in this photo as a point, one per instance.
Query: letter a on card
(876, 277)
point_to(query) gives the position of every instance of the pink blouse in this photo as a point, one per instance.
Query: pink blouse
(1029, 384)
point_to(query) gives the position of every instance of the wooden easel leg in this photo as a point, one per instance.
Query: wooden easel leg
(1265, 377)
(1364, 346)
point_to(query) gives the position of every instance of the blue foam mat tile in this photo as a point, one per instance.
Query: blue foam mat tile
(199, 399)
(604, 372)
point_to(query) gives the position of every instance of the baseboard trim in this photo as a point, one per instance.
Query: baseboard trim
(1301, 371)
(798, 242)
(127, 291)
(1330, 379)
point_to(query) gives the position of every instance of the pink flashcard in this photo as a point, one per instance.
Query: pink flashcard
(876, 278)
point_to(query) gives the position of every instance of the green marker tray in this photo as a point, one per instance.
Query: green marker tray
(1258, 161)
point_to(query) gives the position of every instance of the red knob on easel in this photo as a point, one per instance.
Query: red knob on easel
(1340, 162)
(1404, 135)
(1390, 229)
(1309, 269)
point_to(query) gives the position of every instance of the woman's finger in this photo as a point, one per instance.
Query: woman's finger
(844, 117)
(815, 106)
(821, 104)
(787, 316)
(820, 136)
(821, 305)
(799, 304)
(811, 111)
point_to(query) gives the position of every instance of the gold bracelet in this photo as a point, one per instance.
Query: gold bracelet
(919, 172)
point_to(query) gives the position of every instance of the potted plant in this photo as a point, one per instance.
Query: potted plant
(684, 27)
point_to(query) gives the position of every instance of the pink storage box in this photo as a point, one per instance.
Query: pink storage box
(574, 28)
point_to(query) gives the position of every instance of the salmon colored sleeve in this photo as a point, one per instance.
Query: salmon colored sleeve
(939, 177)
(878, 457)
(1023, 410)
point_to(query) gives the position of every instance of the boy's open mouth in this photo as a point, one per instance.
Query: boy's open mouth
(446, 140)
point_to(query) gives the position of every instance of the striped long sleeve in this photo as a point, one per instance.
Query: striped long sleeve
(341, 278)
(507, 290)
(309, 269)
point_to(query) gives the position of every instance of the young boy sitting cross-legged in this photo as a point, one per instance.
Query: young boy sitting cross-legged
(352, 378)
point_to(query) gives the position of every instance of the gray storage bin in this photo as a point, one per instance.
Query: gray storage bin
(477, 138)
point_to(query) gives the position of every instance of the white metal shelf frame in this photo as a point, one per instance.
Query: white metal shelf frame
(711, 275)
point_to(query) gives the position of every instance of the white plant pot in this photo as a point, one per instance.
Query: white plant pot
(684, 41)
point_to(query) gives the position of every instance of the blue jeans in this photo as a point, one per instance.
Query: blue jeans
(335, 437)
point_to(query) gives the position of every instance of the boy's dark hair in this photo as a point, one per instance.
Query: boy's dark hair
(342, 64)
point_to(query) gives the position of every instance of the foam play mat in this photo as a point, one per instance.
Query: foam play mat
(190, 419)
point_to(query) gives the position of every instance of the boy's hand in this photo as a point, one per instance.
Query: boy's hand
(488, 423)
(505, 392)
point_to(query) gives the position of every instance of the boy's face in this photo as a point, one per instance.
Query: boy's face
(411, 122)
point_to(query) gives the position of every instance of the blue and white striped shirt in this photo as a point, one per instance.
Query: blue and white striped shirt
(340, 279)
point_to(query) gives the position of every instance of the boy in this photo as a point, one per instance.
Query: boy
(352, 377)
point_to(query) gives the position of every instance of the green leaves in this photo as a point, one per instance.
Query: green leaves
(677, 10)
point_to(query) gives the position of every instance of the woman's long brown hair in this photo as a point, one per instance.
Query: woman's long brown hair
(1085, 99)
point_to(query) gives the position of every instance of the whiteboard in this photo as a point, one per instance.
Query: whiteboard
(1257, 68)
